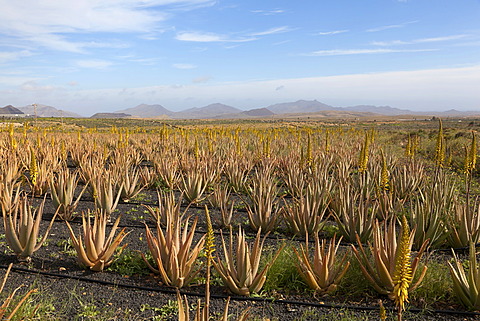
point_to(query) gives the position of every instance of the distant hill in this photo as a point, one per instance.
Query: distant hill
(110, 115)
(258, 112)
(10, 110)
(252, 113)
(300, 106)
(47, 111)
(329, 114)
(210, 111)
(147, 111)
(383, 110)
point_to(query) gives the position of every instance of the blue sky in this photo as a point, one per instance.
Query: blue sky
(88, 56)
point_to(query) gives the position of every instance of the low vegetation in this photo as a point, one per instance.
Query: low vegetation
(334, 210)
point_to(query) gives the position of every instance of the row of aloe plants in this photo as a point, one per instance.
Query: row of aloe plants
(274, 190)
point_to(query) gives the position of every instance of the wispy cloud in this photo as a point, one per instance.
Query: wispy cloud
(269, 12)
(6, 56)
(343, 52)
(401, 25)
(197, 36)
(272, 31)
(34, 86)
(201, 79)
(93, 64)
(281, 42)
(50, 23)
(334, 32)
(184, 66)
(421, 40)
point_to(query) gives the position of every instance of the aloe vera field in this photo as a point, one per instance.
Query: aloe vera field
(239, 220)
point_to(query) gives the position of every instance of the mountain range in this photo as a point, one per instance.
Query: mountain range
(218, 110)
(47, 111)
(299, 107)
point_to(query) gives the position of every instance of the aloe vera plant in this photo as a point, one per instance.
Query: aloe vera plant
(354, 215)
(168, 171)
(380, 265)
(464, 225)
(430, 212)
(130, 179)
(62, 190)
(22, 228)
(172, 252)
(262, 209)
(9, 195)
(220, 199)
(94, 249)
(194, 185)
(168, 209)
(104, 189)
(465, 283)
(240, 268)
(321, 272)
(305, 216)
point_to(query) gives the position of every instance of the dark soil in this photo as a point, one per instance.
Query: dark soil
(67, 291)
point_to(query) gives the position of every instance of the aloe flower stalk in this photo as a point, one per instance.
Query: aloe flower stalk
(385, 266)
(403, 276)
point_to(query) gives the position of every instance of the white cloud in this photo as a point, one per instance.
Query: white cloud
(202, 79)
(343, 52)
(93, 64)
(200, 37)
(416, 41)
(197, 36)
(6, 56)
(269, 12)
(48, 23)
(401, 25)
(333, 32)
(272, 31)
(34, 86)
(184, 66)
(11, 81)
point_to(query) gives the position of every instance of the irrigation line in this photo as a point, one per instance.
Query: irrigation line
(235, 298)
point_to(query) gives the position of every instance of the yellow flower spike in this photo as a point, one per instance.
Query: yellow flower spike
(363, 159)
(408, 147)
(210, 239)
(196, 149)
(471, 156)
(440, 146)
(384, 180)
(403, 268)
(383, 311)
(33, 167)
